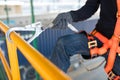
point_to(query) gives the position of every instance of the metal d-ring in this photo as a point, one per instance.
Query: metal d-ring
(37, 27)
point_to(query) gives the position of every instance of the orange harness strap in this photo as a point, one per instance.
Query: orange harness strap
(112, 43)
(115, 42)
(117, 78)
(99, 36)
(106, 45)
(104, 40)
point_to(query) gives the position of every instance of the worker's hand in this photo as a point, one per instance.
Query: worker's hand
(62, 20)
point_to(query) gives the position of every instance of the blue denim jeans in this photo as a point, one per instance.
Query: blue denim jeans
(69, 45)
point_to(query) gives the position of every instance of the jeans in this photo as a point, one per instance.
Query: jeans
(69, 45)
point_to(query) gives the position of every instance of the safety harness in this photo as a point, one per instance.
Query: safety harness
(112, 44)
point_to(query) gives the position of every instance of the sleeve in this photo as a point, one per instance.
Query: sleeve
(86, 11)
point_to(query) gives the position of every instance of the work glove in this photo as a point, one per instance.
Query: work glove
(62, 20)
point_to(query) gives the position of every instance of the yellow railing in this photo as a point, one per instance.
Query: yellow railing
(42, 65)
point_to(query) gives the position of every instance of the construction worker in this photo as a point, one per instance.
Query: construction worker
(77, 43)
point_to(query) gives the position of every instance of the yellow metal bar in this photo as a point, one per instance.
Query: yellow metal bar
(42, 65)
(12, 52)
(5, 64)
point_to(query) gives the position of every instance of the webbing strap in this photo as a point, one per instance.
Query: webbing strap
(112, 43)
(115, 42)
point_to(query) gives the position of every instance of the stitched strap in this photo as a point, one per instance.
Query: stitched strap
(115, 42)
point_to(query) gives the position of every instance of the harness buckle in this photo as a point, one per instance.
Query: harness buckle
(111, 75)
(92, 44)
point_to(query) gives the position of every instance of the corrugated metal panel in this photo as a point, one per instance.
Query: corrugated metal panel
(47, 40)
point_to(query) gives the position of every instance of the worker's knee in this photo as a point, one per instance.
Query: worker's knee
(67, 39)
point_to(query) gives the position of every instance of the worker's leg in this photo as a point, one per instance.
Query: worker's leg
(67, 46)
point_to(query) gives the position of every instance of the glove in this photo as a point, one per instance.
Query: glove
(62, 20)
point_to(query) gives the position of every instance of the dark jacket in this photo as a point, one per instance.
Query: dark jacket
(107, 20)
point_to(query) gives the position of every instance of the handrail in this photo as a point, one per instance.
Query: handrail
(42, 65)
(13, 59)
